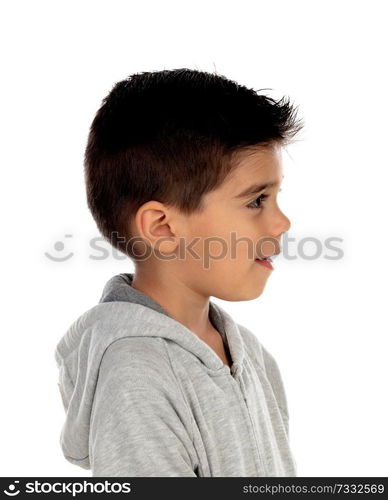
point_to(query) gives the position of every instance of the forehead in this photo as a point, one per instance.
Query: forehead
(256, 166)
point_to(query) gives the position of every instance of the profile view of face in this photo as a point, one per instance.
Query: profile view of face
(246, 205)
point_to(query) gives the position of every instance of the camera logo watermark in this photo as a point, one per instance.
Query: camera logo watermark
(13, 489)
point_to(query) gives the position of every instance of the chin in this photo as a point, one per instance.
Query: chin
(255, 291)
(242, 295)
(255, 294)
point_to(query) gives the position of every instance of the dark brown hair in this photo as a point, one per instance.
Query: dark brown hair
(170, 136)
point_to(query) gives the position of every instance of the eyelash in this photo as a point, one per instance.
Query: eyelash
(262, 197)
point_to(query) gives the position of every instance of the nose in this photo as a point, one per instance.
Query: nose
(281, 224)
(287, 223)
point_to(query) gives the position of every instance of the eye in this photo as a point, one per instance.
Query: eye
(259, 200)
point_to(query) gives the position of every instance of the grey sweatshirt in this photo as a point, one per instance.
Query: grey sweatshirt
(145, 396)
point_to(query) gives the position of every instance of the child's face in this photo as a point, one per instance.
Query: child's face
(225, 269)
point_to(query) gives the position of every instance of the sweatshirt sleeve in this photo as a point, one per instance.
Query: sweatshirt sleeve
(140, 425)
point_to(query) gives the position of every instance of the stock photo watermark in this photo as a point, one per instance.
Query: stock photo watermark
(204, 249)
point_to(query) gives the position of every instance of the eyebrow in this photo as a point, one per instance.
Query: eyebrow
(256, 188)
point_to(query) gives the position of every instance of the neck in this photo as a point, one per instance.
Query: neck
(181, 302)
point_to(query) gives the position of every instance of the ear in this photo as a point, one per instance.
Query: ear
(154, 223)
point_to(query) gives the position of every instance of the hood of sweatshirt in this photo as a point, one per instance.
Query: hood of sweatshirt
(123, 311)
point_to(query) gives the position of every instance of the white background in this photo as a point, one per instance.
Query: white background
(323, 320)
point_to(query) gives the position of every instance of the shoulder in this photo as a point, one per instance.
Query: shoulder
(137, 372)
(138, 361)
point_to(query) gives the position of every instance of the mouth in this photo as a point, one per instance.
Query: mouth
(265, 261)
(268, 258)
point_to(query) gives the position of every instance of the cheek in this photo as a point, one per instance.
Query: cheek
(225, 236)
(244, 242)
(211, 232)
(217, 224)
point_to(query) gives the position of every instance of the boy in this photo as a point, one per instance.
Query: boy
(156, 379)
